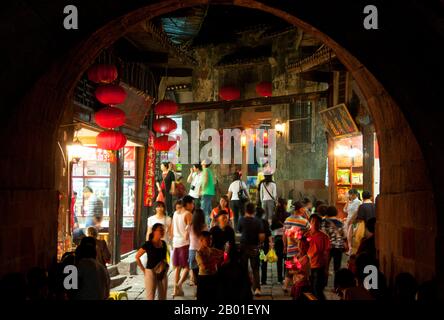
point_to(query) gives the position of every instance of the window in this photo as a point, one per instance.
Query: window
(300, 122)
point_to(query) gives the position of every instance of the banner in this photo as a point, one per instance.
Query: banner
(150, 173)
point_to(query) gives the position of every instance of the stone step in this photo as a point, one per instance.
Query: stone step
(113, 271)
(123, 287)
(128, 265)
(117, 281)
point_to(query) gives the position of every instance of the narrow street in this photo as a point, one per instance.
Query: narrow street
(271, 291)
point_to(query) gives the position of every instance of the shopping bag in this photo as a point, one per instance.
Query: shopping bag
(168, 258)
(262, 255)
(272, 256)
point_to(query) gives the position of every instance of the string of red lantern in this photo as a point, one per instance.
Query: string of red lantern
(164, 125)
(111, 94)
(111, 140)
(163, 143)
(108, 117)
(166, 108)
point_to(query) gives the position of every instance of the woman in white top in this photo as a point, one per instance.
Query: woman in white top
(237, 205)
(197, 226)
(351, 209)
(268, 196)
(162, 218)
(195, 181)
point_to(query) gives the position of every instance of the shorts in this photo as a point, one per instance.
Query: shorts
(180, 256)
(192, 259)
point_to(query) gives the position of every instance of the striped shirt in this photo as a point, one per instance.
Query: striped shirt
(292, 243)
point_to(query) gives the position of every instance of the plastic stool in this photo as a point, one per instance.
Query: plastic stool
(118, 295)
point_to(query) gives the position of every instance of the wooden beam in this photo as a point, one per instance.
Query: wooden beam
(163, 39)
(239, 104)
(323, 55)
(317, 76)
(172, 72)
(130, 53)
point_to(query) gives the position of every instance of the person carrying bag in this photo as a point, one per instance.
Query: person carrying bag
(268, 195)
(242, 193)
(156, 269)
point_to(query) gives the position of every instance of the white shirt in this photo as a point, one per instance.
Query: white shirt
(180, 230)
(166, 221)
(235, 188)
(352, 208)
(196, 182)
(271, 187)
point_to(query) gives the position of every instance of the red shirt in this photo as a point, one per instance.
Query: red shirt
(319, 249)
(216, 211)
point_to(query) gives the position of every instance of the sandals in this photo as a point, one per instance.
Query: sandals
(178, 291)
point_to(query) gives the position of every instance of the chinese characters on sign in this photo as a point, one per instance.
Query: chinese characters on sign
(150, 181)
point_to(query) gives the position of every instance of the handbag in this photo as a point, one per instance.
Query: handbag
(161, 269)
(160, 197)
(241, 193)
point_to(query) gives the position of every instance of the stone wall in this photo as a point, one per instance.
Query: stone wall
(301, 169)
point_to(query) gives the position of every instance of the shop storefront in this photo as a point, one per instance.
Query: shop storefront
(353, 157)
(94, 180)
(356, 166)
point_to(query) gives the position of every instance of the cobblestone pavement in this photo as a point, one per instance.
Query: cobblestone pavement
(271, 291)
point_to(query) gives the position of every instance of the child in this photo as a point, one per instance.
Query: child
(208, 259)
(301, 271)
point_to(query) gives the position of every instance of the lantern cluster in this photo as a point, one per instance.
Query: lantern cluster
(109, 117)
(164, 125)
(230, 93)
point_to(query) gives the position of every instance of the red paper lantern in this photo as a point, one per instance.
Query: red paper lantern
(264, 89)
(163, 144)
(111, 140)
(102, 73)
(164, 125)
(229, 93)
(166, 108)
(110, 117)
(111, 94)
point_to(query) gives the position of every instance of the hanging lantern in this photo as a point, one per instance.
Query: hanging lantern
(163, 144)
(166, 108)
(102, 73)
(229, 93)
(111, 140)
(164, 125)
(110, 117)
(111, 94)
(264, 89)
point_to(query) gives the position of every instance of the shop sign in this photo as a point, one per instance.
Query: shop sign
(338, 121)
(150, 173)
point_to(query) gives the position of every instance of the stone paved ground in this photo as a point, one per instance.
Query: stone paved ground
(271, 291)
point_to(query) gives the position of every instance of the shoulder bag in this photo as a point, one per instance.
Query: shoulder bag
(162, 267)
(241, 193)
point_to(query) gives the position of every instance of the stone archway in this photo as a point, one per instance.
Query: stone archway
(404, 174)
